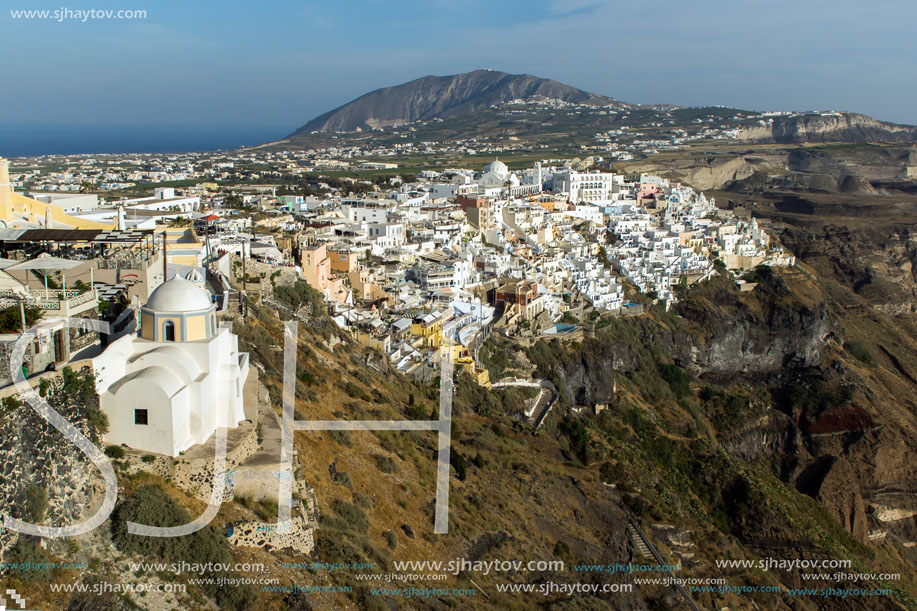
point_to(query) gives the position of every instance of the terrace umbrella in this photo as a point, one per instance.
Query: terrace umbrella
(46, 263)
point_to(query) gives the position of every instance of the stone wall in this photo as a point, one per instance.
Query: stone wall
(300, 537)
(33, 454)
(195, 475)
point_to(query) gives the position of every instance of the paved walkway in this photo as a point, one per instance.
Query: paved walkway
(268, 453)
(236, 435)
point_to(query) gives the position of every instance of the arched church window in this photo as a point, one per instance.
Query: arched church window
(169, 331)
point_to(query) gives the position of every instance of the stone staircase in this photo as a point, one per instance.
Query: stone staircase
(640, 546)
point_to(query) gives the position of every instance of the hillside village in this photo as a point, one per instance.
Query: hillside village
(527, 250)
(458, 306)
(419, 269)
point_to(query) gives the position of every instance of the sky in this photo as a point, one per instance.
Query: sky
(279, 64)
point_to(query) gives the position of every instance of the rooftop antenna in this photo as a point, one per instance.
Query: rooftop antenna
(165, 265)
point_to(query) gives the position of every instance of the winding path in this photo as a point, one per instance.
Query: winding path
(547, 397)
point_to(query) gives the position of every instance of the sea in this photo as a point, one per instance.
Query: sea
(28, 140)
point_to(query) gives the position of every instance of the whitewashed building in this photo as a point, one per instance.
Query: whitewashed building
(172, 385)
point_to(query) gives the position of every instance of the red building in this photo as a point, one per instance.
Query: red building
(520, 293)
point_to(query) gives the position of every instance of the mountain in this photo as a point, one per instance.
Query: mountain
(494, 108)
(432, 97)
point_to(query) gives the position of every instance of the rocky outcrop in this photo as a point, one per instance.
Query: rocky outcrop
(588, 378)
(855, 170)
(828, 127)
(710, 171)
(36, 456)
(766, 331)
(752, 344)
(833, 482)
(877, 262)
(774, 433)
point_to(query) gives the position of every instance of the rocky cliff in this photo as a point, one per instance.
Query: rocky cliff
(750, 336)
(856, 170)
(828, 127)
(35, 458)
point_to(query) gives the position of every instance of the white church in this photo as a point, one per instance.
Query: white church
(170, 387)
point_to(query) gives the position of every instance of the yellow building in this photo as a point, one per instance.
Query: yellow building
(365, 337)
(342, 261)
(429, 328)
(366, 289)
(17, 210)
(316, 266)
(465, 360)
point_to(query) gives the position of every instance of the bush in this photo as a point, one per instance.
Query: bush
(860, 352)
(341, 437)
(390, 539)
(416, 411)
(761, 273)
(11, 403)
(351, 514)
(36, 503)
(266, 510)
(81, 388)
(11, 318)
(306, 377)
(362, 501)
(386, 464)
(339, 477)
(300, 293)
(114, 452)
(677, 379)
(612, 473)
(27, 552)
(354, 391)
(578, 435)
(458, 463)
(151, 505)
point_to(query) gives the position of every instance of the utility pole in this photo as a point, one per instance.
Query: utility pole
(209, 252)
(242, 306)
(165, 264)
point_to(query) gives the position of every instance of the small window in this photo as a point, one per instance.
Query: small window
(141, 417)
(169, 331)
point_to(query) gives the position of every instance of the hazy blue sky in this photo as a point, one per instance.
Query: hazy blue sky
(281, 63)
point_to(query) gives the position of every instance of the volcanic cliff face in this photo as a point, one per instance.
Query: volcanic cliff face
(748, 337)
(431, 97)
(840, 432)
(855, 170)
(877, 262)
(729, 335)
(828, 127)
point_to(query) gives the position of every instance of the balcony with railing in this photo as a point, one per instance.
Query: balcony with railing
(130, 261)
(56, 302)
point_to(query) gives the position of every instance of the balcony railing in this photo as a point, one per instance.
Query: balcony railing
(54, 300)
